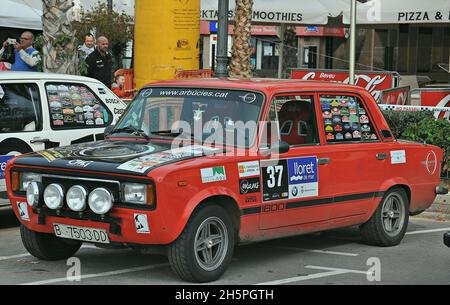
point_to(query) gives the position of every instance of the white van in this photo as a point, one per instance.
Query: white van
(39, 111)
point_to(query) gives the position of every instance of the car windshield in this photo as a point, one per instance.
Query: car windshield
(212, 116)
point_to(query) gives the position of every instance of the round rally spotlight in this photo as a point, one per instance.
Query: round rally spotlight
(54, 196)
(100, 201)
(34, 193)
(76, 198)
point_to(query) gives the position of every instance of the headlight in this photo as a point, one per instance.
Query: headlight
(54, 196)
(100, 201)
(34, 193)
(26, 178)
(76, 198)
(135, 193)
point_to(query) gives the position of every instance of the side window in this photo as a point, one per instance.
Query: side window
(346, 120)
(74, 106)
(20, 108)
(296, 118)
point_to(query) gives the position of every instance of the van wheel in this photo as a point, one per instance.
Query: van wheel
(388, 224)
(204, 249)
(47, 246)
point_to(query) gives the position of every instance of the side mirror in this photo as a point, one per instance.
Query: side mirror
(109, 129)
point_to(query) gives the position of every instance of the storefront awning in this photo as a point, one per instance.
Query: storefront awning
(401, 12)
(20, 16)
(286, 11)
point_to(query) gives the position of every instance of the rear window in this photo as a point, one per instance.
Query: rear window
(20, 108)
(75, 106)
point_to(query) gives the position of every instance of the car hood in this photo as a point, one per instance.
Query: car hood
(121, 157)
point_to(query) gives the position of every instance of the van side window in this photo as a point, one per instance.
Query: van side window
(20, 108)
(73, 106)
(346, 120)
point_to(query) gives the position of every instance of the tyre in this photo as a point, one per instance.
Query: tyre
(204, 249)
(388, 224)
(47, 246)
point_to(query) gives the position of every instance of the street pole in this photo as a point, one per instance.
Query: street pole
(222, 40)
(352, 42)
(282, 31)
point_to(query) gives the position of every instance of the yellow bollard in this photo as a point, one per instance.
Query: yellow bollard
(166, 39)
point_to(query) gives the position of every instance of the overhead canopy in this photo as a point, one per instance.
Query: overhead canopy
(285, 11)
(17, 15)
(402, 11)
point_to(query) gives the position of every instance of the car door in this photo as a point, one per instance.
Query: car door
(21, 123)
(358, 159)
(294, 184)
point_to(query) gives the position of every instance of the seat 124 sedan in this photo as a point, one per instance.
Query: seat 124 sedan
(194, 168)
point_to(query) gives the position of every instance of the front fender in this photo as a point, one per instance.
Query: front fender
(184, 215)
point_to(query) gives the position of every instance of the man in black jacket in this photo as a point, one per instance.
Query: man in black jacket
(100, 62)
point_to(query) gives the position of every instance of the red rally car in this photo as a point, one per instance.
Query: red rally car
(196, 167)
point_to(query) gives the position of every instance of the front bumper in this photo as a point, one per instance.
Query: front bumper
(119, 224)
(447, 239)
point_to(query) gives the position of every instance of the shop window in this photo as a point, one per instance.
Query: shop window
(75, 106)
(20, 108)
(346, 120)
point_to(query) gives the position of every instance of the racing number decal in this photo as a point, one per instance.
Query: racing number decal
(275, 180)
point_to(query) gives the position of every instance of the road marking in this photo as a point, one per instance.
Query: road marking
(4, 258)
(303, 278)
(103, 274)
(330, 272)
(313, 251)
(336, 269)
(428, 231)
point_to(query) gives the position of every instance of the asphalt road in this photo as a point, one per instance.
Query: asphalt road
(334, 257)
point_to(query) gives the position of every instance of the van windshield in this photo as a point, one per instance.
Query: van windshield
(213, 116)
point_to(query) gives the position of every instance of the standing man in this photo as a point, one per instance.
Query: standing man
(100, 62)
(27, 57)
(88, 47)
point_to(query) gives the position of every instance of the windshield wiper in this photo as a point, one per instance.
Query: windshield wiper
(168, 133)
(131, 129)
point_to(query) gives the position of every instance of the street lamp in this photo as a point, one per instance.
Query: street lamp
(222, 40)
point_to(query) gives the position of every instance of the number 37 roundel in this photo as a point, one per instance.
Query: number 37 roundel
(290, 178)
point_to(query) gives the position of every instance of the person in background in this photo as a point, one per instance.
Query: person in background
(27, 57)
(118, 87)
(88, 47)
(100, 62)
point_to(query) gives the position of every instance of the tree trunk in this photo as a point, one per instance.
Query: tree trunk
(59, 49)
(242, 50)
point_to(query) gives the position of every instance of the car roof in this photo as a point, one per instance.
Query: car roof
(10, 75)
(262, 84)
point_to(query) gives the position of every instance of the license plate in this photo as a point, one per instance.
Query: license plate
(79, 233)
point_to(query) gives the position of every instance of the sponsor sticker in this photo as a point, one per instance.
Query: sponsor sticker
(23, 211)
(248, 169)
(249, 185)
(3, 161)
(431, 162)
(398, 156)
(275, 180)
(250, 199)
(141, 222)
(303, 177)
(213, 174)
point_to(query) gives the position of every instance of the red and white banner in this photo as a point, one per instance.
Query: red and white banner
(436, 97)
(396, 96)
(374, 82)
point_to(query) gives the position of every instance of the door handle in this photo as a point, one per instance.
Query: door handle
(34, 141)
(323, 161)
(382, 156)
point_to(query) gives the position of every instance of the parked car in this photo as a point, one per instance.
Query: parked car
(41, 111)
(447, 239)
(196, 167)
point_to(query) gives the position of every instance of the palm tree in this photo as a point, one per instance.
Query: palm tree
(241, 52)
(58, 46)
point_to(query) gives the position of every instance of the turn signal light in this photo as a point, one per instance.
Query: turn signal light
(150, 195)
(15, 181)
